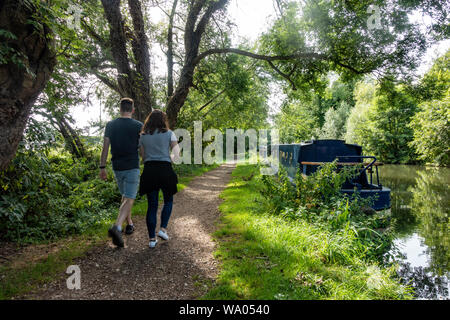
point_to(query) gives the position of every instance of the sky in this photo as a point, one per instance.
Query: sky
(252, 17)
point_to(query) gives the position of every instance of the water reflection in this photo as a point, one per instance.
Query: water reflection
(420, 208)
(430, 204)
(425, 283)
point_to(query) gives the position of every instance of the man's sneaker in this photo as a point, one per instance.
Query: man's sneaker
(163, 235)
(116, 236)
(129, 229)
(153, 243)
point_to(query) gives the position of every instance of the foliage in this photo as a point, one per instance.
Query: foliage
(357, 122)
(9, 54)
(337, 102)
(380, 121)
(47, 197)
(390, 133)
(339, 31)
(335, 122)
(434, 84)
(309, 114)
(295, 122)
(230, 94)
(432, 131)
(431, 124)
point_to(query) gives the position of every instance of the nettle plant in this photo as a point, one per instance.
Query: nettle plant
(317, 199)
(314, 193)
(43, 197)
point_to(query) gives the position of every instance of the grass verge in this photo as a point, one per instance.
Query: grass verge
(19, 278)
(266, 257)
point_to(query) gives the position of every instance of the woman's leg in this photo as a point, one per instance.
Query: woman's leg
(152, 199)
(166, 210)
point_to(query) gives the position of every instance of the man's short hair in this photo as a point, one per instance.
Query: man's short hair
(126, 105)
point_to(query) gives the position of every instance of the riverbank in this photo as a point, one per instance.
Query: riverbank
(264, 256)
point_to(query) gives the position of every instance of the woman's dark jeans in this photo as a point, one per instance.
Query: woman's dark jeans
(152, 199)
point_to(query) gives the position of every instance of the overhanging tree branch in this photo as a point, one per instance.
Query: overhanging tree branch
(213, 107)
(212, 99)
(306, 55)
(103, 43)
(295, 56)
(107, 81)
(287, 77)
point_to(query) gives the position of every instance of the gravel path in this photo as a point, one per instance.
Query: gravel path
(180, 268)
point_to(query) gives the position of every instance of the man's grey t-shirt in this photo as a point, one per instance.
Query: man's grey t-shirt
(157, 145)
(123, 134)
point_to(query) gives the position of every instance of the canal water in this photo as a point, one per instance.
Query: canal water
(420, 199)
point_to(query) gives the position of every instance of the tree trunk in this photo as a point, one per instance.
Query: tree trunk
(177, 100)
(73, 143)
(193, 34)
(141, 77)
(75, 138)
(132, 83)
(20, 87)
(170, 51)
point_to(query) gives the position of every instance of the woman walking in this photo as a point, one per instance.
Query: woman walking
(155, 143)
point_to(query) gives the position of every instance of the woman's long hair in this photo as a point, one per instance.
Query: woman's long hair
(157, 119)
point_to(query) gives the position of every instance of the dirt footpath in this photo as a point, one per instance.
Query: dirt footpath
(179, 268)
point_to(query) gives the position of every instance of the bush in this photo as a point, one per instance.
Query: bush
(317, 199)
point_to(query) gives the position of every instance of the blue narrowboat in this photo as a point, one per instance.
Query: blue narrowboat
(310, 155)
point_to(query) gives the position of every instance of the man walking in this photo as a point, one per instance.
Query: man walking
(122, 134)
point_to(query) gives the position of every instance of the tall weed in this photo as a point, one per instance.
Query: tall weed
(317, 199)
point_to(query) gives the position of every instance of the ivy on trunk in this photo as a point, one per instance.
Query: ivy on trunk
(26, 64)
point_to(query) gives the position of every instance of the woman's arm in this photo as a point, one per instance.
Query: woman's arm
(175, 155)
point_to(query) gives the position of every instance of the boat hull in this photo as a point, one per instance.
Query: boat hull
(381, 198)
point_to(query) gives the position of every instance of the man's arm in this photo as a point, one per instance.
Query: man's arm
(104, 156)
(141, 152)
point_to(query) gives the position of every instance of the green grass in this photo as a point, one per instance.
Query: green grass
(20, 280)
(267, 257)
(16, 281)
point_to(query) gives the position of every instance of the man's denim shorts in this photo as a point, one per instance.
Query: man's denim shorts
(128, 182)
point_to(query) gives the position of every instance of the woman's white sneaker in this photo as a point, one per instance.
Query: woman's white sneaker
(153, 243)
(163, 235)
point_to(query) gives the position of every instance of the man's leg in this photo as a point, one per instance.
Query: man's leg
(124, 211)
(127, 182)
(129, 221)
(130, 189)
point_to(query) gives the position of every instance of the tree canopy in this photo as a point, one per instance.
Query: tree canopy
(208, 76)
